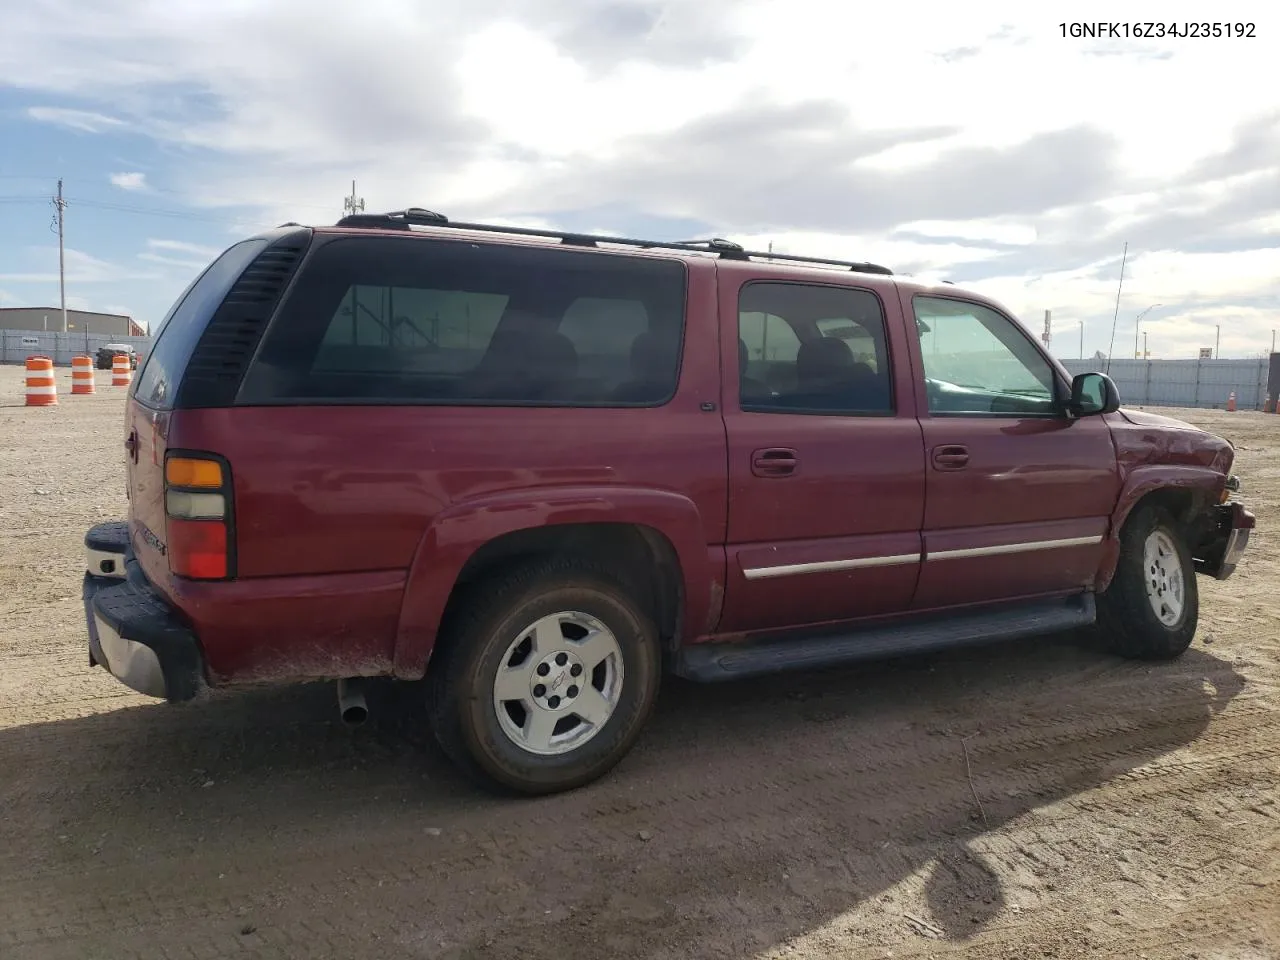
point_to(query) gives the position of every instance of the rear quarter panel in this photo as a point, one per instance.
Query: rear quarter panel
(346, 514)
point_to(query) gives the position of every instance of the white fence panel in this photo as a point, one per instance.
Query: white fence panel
(1183, 383)
(17, 345)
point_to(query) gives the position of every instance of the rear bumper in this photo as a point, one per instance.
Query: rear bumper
(1222, 554)
(133, 631)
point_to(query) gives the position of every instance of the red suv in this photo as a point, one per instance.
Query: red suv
(535, 470)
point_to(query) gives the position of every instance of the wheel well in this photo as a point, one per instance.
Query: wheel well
(642, 558)
(1189, 509)
(1180, 503)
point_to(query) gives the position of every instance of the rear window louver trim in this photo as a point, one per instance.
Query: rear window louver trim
(264, 279)
(220, 359)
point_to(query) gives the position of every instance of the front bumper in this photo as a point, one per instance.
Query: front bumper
(1221, 554)
(133, 631)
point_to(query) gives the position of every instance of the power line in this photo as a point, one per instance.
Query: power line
(156, 211)
(153, 211)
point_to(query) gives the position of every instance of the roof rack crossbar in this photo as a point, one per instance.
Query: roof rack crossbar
(726, 249)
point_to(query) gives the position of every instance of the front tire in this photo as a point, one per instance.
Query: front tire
(545, 678)
(1152, 607)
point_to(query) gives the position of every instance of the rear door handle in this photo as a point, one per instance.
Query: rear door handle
(952, 456)
(774, 462)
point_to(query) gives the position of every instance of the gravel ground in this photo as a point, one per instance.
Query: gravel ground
(1021, 801)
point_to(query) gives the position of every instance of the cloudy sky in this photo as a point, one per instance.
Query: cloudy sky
(973, 142)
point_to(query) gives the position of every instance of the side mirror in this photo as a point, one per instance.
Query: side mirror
(1093, 394)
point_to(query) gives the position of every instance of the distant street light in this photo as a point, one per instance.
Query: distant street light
(1138, 322)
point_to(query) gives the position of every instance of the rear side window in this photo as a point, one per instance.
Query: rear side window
(180, 330)
(812, 349)
(414, 320)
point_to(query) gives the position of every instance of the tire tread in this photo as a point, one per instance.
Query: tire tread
(1126, 623)
(478, 612)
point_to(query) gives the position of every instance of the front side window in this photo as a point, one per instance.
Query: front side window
(979, 362)
(807, 348)
(420, 320)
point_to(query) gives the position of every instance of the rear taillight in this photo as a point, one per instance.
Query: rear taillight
(198, 505)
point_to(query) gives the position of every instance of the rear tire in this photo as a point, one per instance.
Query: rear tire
(1151, 609)
(544, 678)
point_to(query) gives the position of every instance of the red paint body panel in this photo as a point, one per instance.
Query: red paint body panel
(1027, 480)
(1156, 452)
(456, 533)
(352, 522)
(947, 581)
(290, 628)
(411, 492)
(857, 492)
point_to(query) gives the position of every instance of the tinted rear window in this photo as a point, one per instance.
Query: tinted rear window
(180, 330)
(427, 321)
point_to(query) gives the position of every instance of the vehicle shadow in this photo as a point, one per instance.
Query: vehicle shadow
(748, 814)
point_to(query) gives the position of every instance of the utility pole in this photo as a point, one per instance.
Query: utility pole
(1048, 329)
(1146, 354)
(1217, 339)
(1081, 339)
(352, 204)
(59, 206)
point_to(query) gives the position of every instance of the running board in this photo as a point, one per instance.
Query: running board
(712, 662)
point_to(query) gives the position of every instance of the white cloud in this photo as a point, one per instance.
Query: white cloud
(86, 121)
(1032, 157)
(129, 181)
(979, 230)
(81, 268)
(181, 246)
(179, 253)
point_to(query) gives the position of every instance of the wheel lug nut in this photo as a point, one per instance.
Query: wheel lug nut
(576, 670)
(539, 690)
(572, 691)
(561, 659)
(543, 669)
(553, 702)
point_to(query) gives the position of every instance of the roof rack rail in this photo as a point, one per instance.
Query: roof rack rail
(726, 249)
(396, 220)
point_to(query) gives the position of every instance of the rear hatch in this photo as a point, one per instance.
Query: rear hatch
(198, 351)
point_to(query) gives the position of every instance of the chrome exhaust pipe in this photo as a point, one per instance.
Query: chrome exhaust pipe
(351, 705)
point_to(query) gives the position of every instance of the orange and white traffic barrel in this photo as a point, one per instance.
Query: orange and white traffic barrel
(121, 374)
(1231, 402)
(82, 376)
(41, 389)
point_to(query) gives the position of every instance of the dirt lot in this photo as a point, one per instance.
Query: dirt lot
(1126, 810)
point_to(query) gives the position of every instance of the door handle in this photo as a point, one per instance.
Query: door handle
(774, 462)
(952, 456)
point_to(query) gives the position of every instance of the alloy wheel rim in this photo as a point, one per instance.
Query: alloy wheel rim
(1164, 578)
(558, 683)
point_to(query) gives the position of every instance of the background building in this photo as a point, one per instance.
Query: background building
(49, 319)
